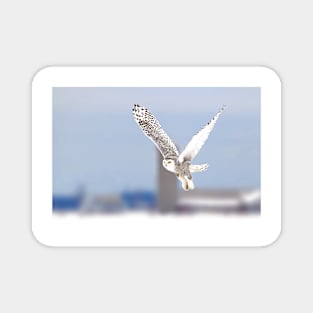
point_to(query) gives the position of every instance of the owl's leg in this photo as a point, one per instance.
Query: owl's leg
(183, 181)
(186, 183)
(190, 184)
(198, 168)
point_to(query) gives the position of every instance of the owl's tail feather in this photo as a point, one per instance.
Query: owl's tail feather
(198, 168)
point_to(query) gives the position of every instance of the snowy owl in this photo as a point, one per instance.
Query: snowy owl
(174, 162)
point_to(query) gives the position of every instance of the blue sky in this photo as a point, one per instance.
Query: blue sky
(97, 144)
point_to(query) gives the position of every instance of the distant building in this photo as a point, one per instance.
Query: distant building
(167, 187)
(220, 201)
(68, 202)
(139, 199)
(103, 203)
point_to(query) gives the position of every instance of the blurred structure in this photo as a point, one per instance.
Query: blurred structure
(220, 201)
(102, 204)
(139, 199)
(68, 202)
(167, 187)
(126, 201)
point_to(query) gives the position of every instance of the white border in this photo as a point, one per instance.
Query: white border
(141, 230)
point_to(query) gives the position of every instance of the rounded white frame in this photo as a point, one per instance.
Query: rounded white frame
(142, 230)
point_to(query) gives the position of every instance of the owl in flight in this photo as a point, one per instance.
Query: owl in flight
(174, 162)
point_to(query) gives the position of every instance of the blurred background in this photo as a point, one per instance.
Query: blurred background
(103, 163)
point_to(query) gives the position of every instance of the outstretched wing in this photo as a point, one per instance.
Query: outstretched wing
(198, 140)
(153, 130)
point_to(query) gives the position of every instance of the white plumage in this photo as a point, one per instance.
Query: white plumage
(199, 139)
(173, 161)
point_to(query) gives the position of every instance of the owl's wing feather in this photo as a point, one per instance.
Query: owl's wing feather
(198, 140)
(153, 130)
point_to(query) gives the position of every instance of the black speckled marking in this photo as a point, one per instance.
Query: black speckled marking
(153, 130)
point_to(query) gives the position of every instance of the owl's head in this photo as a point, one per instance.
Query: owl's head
(170, 165)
